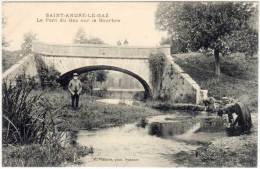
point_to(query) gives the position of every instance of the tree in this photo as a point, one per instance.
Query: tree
(101, 76)
(82, 38)
(222, 27)
(26, 47)
(126, 42)
(119, 43)
(177, 46)
(88, 80)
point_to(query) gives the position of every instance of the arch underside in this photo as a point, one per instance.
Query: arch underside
(64, 79)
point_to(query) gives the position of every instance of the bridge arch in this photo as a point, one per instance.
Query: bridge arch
(64, 78)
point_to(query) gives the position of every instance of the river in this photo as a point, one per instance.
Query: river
(117, 101)
(132, 146)
(129, 146)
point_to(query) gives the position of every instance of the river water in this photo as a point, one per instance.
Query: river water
(117, 101)
(129, 145)
(132, 146)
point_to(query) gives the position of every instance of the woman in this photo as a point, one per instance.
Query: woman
(243, 123)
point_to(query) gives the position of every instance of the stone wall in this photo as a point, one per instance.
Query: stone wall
(179, 86)
(26, 65)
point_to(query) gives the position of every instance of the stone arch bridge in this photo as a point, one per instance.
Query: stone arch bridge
(132, 60)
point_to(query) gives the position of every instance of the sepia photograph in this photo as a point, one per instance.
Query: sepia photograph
(129, 84)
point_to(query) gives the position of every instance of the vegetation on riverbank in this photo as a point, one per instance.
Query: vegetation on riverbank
(93, 114)
(9, 58)
(33, 126)
(36, 155)
(239, 81)
(157, 64)
(239, 151)
(30, 135)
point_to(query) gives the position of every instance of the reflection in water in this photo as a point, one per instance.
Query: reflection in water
(129, 146)
(116, 101)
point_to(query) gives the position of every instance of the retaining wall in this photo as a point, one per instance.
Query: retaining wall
(26, 65)
(180, 87)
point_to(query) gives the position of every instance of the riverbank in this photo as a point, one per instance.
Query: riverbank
(36, 155)
(239, 81)
(93, 114)
(237, 151)
(238, 76)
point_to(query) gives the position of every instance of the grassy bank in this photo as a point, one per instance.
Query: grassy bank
(93, 114)
(36, 155)
(9, 58)
(238, 80)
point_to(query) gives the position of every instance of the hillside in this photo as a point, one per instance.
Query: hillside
(238, 78)
(9, 58)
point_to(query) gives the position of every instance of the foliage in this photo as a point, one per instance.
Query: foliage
(30, 128)
(20, 119)
(245, 155)
(37, 155)
(9, 58)
(26, 47)
(101, 76)
(239, 76)
(48, 74)
(177, 46)
(157, 64)
(93, 114)
(210, 25)
(119, 43)
(82, 38)
(88, 81)
(126, 42)
(26, 117)
(244, 41)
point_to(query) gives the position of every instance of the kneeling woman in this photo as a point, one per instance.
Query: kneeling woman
(243, 123)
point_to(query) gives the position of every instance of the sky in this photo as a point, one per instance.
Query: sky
(136, 22)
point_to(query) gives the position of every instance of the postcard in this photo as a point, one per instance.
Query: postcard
(129, 84)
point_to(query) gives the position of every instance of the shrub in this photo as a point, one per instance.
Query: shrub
(27, 116)
(30, 128)
(21, 122)
(48, 74)
(157, 63)
(88, 82)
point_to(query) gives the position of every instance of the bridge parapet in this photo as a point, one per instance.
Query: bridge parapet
(104, 51)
